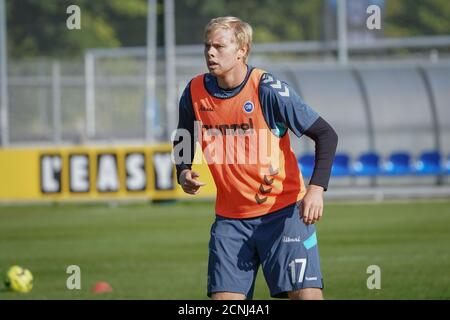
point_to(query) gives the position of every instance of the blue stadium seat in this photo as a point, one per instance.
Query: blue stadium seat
(306, 164)
(428, 163)
(398, 164)
(341, 165)
(367, 165)
(447, 165)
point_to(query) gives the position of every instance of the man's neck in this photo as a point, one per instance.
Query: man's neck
(233, 78)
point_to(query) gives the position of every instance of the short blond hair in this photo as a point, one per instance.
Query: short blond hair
(243, 32)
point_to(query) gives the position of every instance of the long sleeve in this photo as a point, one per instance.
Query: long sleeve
(184, 150)
(284, 109)
(326, 140)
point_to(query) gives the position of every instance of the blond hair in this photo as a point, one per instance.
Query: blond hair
(243, 32)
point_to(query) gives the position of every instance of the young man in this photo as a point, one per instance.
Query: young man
(265, 215)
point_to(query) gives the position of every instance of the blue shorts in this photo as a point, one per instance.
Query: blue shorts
(280, 241)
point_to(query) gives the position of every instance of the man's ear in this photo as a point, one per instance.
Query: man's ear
(241, 53)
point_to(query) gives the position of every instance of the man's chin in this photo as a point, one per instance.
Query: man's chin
(215, 72)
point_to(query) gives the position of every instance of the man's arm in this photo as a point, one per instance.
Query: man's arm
(186, 119)
(326, 140)
(284, 109)
(186, 122)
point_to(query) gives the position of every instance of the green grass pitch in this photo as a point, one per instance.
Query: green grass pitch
(160, 251)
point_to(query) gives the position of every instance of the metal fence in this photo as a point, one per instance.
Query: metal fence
(103, 98)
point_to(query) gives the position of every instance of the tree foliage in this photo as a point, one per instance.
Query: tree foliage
(38, 27)
(405, 18)
(271, 20)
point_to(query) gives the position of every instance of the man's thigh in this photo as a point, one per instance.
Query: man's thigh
(289, 253)
(233, 260)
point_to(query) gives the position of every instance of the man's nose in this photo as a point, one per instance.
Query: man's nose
(210, 51)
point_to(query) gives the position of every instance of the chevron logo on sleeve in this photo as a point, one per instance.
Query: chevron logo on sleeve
(280, 87)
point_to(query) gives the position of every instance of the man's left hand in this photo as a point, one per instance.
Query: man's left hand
(312, 204)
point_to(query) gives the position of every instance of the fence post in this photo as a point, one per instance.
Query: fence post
(342, 31)
(4, 118)
(90, 93)
(56, 101)
(150, 77)
(169, 36)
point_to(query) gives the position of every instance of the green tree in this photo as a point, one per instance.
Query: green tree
(39, 27)
(405, 18)
(272, 20)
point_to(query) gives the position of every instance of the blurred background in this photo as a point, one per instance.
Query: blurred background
(89, 94)
(118, 78)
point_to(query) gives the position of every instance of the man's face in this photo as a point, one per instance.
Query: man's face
(221, 51)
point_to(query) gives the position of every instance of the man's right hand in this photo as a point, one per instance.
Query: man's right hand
(188, 182)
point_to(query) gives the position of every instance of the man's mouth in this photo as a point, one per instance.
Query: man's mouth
(212, 64)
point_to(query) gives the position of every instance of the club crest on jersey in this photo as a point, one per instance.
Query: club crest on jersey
(248, 107)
